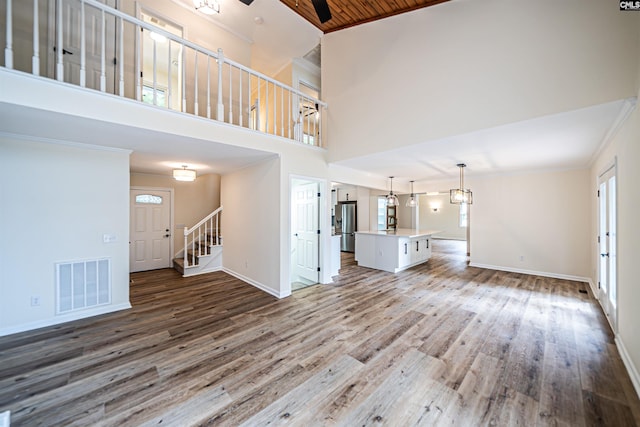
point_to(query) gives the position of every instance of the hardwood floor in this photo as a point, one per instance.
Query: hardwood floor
(438, 344)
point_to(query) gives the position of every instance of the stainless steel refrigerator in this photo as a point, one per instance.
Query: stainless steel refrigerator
(346, 225)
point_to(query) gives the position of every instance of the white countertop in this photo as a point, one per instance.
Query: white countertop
(400, 232)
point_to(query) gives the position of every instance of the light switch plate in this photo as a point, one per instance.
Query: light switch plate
(109, 238)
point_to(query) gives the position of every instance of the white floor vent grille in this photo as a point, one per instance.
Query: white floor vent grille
(83, 284)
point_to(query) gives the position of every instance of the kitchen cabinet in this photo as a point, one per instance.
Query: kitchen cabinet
(393, 250)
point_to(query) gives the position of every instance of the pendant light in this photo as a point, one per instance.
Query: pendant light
(208, 7)
(392, 199)
(412, 201)
(461, 195)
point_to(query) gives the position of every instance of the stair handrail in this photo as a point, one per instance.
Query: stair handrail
(212, 240)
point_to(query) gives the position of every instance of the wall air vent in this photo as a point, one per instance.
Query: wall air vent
(82, 284)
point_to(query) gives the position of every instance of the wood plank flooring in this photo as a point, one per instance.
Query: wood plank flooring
(438, 344)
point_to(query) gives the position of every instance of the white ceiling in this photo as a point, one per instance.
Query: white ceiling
(153, 152)
(281, 36)
(561, 141)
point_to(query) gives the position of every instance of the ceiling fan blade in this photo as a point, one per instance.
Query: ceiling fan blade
(247, 2)
(322, 10)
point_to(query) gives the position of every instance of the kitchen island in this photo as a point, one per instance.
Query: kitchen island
(393, 250)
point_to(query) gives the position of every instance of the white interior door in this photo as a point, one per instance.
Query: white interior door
(150, 234)
(72, 17)
(607, 277)
(305, 223)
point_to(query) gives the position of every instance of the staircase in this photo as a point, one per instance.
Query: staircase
(202, 250)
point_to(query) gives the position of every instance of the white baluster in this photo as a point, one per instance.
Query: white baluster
(217, 229)
(199, 241)
(230, 95)
(196, 110)
(121, 60)
(258, 124)
(220, 112)
(249, 100)
(169, 67)
(282, 111)
(289, 116)
(138, 76)
(266, 104)
(184, 79)
(193, 249)
(275, 109)
(83, 50)
(59, 47)
(186, 243)
(103, 75)
(35, 61)
(208, 86)
(8, 50)
(320, 114)
(155, 72)
(240, 97)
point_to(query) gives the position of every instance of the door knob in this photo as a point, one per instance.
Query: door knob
(167, 235)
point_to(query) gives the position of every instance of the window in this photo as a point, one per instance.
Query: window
(147, 96)
(148, 199)
(463, 214)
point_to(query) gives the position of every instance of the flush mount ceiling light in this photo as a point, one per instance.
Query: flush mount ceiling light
(412, 201)
(184, 174)
(208, 7)
(461, 195)
(392, 199)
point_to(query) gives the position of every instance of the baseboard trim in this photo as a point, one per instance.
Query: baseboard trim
(64, 319)
(253, 283)
(628, 363)
(534, 273)
(199, 272)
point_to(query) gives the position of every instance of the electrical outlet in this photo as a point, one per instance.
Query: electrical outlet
(35, 301)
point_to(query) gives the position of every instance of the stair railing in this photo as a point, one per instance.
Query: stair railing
(209, 85)
(205, 233)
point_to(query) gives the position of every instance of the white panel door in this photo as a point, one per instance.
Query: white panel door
(607, 276)
(72, 44)
(150, 234)
(305, 205)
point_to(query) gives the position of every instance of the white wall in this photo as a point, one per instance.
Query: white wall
(446, 219)
(251, 200)
(626, 149)
(443, 70)
(193, 200)
(56, 202)
(541, 217)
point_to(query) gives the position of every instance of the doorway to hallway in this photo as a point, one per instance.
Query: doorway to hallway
(305, 233)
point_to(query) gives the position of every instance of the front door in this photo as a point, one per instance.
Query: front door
(305, 225)
(150, 234)
(607, 279)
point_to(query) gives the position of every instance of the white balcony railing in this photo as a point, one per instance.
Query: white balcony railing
(94, 46)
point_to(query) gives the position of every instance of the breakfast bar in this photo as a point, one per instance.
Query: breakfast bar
(393, 250)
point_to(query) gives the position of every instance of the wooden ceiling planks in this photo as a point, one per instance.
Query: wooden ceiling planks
(348, 13)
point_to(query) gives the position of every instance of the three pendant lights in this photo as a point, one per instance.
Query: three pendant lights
(456, 195)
